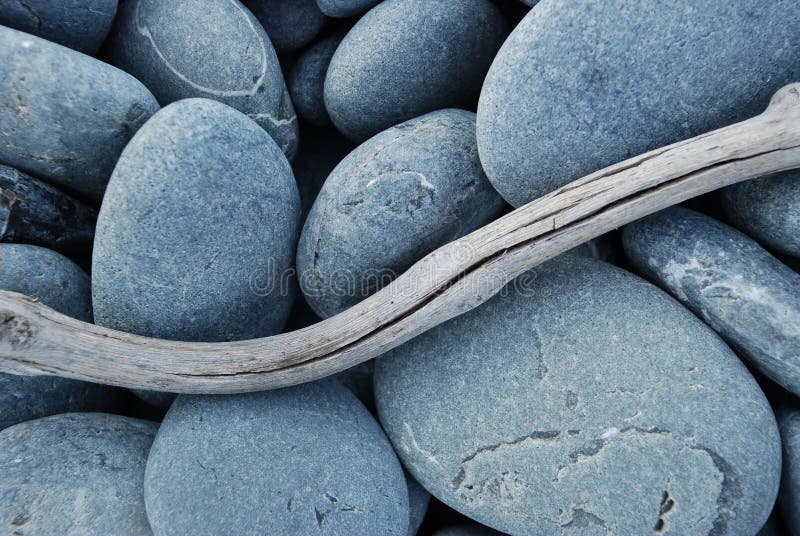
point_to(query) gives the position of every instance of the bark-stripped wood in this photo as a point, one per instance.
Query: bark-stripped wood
(450, 281)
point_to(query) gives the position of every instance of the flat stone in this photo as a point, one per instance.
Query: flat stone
(583, 400)
(290, 24)
(58, 283)
(78, 24)
(306, 80)
(768, 209)
(303, 460)
(75, 473)
(197, 230)
(789, 497)
(405, 58)
(749, 297)
(214, 49)
(70, 132)
(580, 85)
(345, 8)
(395, 198)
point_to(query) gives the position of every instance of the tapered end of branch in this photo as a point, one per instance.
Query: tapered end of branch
(785, 99)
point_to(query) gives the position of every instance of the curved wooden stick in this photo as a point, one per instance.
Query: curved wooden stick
(457, 277)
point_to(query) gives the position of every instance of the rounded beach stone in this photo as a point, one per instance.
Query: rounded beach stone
(303, 460)
(405, 58)
(768, 209)
(58, 283)
(345, 8)
(467, 529)
(583, 377)
(418, 501)
(75, 473)
(306, 80)
(580, 85)
(395, 198)
(290, 24)
(78, 24)
(197, 229)
(214, 49)
(748, 296)
(69, 132)
(789, 497)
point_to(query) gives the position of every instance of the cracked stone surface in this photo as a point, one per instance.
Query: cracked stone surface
(303, 460)
(78, 24)
(748, 296)
(580, 85)
(789, 498)
(75, 473)
(68, 133)
(214, 49)
(585, 401)
(394, 199)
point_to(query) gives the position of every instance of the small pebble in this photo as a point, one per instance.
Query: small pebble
(345, 8)
(290, 24)
(306, 80)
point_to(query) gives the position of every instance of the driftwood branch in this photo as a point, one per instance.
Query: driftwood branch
(450, 281)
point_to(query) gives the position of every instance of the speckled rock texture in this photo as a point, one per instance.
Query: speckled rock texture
(583, 400)
(303, 460)
(345, 8)
(214, 49)
(197, 229)
(418, 501)
(70, 132)
(405, 58)
(74, 473)
(580, 85)
(728, 280)
(395, 198)
(78, 24)
(467, 529)
(290, 24)
(789, 497)
(306, 80)
(58, 283)
(768, 209)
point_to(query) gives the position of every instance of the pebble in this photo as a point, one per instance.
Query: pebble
(58, 283)
(303, 460)
(78, 24)
(75, 473)
(418, 501)
(69, 133)
(405, 58)
(749, 297)
(395, 198)
(768, 209)
(583, 400)
(198, 164)
(290, 24)
(345, 8)
(214, 49)
(789, 497)
(306, 80)
(580, 85)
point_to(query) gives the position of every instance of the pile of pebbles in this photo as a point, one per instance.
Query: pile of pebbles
(217, 170)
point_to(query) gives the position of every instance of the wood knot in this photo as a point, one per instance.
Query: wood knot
(785, 98)
(15, 330)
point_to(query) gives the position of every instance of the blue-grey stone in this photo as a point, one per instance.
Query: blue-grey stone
(214, 49)
(65, 116)
(395, 198)
(290, 24)
(580, 84)
(303, 460)
(78, 24)
(583, 400)
(789, 497)
(749, 297)
(58, 283)
(418, 501)
(405, 58)
(197, 230)
(306, 80)
(345, 8)
(157, 399)
(768, 209)
(75, 473)
(467, 529)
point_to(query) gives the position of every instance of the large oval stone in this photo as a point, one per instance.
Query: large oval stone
(304, 460)
(66, 117)
(580, 85)
(583, 400)
(405, 58)
(744, 293)
(197, 230)
(214, 49)
(75, 473)
(395, 198)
